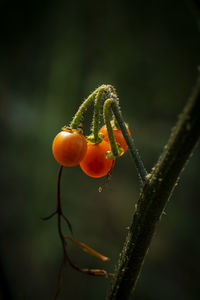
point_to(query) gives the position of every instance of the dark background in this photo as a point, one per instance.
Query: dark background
(52, 55)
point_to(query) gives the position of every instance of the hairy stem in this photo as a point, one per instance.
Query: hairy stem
(106, 113)
(155, 194)
(96, 117)
(130, 142)
(78, 116)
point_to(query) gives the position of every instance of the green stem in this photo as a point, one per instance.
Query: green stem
(108, 89)
(106, 113)
(96, 117)
(154, 196)
(78, 116)
(130, 141)
(116, 99)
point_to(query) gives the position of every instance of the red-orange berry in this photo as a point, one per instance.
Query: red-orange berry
(119, 138)
(69, 147)
(94, 163)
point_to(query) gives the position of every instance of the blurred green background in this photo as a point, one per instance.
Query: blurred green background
(52, 55)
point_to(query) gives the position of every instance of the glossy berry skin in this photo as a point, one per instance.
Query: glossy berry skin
(94, 163)
(119, 138)
(69, 147)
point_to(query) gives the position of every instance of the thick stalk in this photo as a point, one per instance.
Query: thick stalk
(154, 196)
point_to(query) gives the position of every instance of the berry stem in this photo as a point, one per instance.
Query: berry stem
(96, 117)
(83, 107)
(78, 116)
(130, 141)
(106, 113)
(112, 102)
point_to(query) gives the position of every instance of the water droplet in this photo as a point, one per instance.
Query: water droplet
(100, 189)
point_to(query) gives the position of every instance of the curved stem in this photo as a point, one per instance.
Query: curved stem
(78, 116)
(96, 117)
(154, 196)
(106, 113)
(130, 141)
(108, 89)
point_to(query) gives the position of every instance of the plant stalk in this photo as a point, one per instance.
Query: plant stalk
(155, 194)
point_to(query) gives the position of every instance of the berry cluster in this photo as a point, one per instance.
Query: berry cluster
(71, 148)
(96, 153)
